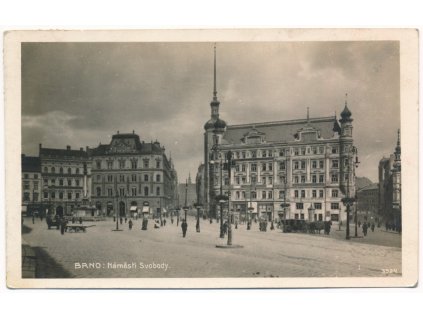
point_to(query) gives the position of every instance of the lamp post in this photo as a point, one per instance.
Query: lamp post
(198, 207)
(119, 197)
(186, 205)
(220, 198)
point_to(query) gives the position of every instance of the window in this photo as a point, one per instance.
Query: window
(77, 171)
(299, 206)
(53, 181)
(158, 191)
(237, 180)
(270, 180)
(69, 171)
(46, 181)
(61, 195)
(270, 195)
(121, 178)
(314, 164)
(61, 170)
(335, 177)
(53, 195)
(303, 179)
(53, 170)
(146, 191)
(303, 193)
(314, 150)
(314, 193)
(26, 185)
(244, 155)
(243, 169)
(296, 179)
(254, 167)
(282, 165)
(109, 192)
(36, 185)
(26, 196)
(303, 151)
(263, 180)
(320, 193)
(77, 182)
(254, 154)
(61, 182)
(158, 178)
(237, 194)
(334, 149)
(98, 164)
(282, 179)
(121, 164)
(334, 193)
(98, 191)
(134, 163)
(134, 178)
(122, 192)
(281, 194)
(157, 164)
(303, 164)
(253, 179)
(254, 195)
(296, 216)
(109, 178)
(296, 151)
(263, 153)
(35, 176)
(263, 194)
(243, 194)
(270, 166)
(321, 164)
(237, 168)
(110, 165)
(334, 206)
(281, 153)
(263, 167)
(45, 195)
(146, 163)
(296, 193)
(296, 165)
(321, 176)
(334, 163)
(302, 216)
(69, 195)
(318, 206)
(244, 180)
(314, 178)
(98, 178)
(45, 169)
(69, 182)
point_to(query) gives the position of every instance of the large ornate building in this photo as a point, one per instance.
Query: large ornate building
(390, 186)
(66, 181)
(306, 163)
(128, 174)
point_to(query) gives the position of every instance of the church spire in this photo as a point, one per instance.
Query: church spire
(214, 73)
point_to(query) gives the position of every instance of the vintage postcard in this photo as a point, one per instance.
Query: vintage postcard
(263, 158)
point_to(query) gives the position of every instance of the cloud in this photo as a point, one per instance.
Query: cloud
(82, 93)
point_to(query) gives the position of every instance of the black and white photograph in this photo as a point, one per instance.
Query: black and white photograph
(245, 161)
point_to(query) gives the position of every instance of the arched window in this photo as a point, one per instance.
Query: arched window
(98, 191)
(53, 170)
(158, 178)
(61, 170)
(45, 169)
(146, 191)
(146, 177)
(158, 191)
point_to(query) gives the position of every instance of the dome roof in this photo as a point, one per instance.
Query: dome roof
(220, 123)
(209, 124)
(346, 113)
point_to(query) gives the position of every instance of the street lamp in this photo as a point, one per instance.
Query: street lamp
(118, 197)
(198, 206)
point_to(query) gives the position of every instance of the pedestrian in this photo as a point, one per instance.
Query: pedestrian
(121, 220)
(211, 220)
(184, 227)
(373, 227)
(164, 222)
(144, 224)
(171, 220)
(62, 226)
(236, 224)
(126, 219)
(359, 223)
(365, 229)
(33, 218)
(225, 228)
(130, 224)
(73, 220)
(80, 220)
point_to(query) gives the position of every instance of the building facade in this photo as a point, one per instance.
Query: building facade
(31, 185)
(66, 181)
(129, 174)
(368, 200)
(308, 164)
(390, 186)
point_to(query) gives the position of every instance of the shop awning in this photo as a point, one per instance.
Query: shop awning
(145, 209)
(133, 209)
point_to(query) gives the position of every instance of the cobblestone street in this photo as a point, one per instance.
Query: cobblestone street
(164, 252)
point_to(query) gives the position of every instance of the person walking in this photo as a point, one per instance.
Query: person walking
(80, 220)
(130, 224)
(184, 227)
(365, 229)
(164, 222)
(62, 226)
(33, 218)
(373, 227)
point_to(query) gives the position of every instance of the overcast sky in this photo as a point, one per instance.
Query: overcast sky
(80, 94)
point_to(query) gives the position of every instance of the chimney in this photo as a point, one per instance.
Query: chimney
(81, 148)
(68, 147)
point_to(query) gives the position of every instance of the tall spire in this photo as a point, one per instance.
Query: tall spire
(214, 82)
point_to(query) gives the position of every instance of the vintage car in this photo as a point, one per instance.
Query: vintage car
(53, 221)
